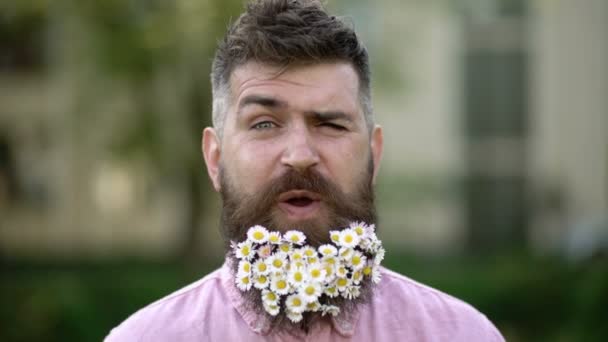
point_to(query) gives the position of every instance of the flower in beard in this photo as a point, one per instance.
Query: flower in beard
(328, 250)
(257, 234)
(310, 291)
(277, 262)
(245, 250)
(244, 267)
(295, 303)
(349, 238)
(243, 282)
(275, 238)
(279, 285)
(329, 310)
(360, 228)
(260, 267)
(260, 281)
(295, 237)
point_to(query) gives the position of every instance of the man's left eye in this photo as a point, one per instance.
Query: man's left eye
(333, 126)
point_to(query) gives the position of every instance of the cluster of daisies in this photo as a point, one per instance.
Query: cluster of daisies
(300, 278)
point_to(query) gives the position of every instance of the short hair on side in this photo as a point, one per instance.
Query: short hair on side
(282, 33)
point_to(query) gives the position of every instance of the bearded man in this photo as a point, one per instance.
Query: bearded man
(294, 146)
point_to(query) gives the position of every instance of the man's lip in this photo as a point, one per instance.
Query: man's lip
(286, 196)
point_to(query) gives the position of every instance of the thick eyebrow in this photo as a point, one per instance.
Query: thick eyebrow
(260, 100)
(329, 115)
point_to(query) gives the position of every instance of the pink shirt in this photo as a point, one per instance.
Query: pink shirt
(400, 310)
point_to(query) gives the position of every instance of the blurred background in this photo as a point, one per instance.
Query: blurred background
(493, 188)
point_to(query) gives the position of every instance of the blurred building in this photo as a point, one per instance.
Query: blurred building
(495, 116)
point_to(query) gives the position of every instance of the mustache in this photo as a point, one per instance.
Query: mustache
(258, 208)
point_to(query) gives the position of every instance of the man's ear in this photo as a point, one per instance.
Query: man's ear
(377, 145)
(211, 153)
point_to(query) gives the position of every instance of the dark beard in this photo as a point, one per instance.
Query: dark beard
(240, 212)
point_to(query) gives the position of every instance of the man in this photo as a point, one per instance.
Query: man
(294, 145)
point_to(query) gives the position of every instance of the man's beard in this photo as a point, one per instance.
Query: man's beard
(337, 211)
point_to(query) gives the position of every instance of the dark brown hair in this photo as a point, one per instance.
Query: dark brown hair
(285, 32)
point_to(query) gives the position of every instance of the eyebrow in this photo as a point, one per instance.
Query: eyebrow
(260, 100)
(329, 115)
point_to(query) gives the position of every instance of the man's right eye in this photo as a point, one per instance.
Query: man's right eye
(264, 125)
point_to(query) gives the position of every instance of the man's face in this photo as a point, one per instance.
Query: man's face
(295, 149)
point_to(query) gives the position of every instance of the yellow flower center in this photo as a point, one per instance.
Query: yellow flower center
(262, 279)
(348, 238)
(335, 237)
(245, 280)
(327, 251)
(310, 290)
(331, 289)
(367, 270)
(359, 230)
(245, 250)
(246, 267)
(296, 302)
(357, 275)
(297, 276)
(285, 248)
(277, 263)
(315, 273)
(296, 256)
(308, 252)
(356, 260)
(271, 296)
(312, 260)
(274, 238)
(295, 238)
(258, 235)
(330, 261)
(342, 282)
(281, 284)
(262, 267)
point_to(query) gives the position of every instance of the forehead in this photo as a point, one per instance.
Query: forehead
(319, 85)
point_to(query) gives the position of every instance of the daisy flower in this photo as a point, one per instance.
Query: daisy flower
(276, 262)
(345, 253)
(264, 251)
(342, 283)
(243, 282)
(285, 247)
(313, 307)
(334, 236)
(274, 238)
(308, 252)
(294, 316)
(327, 250)
(376, 275)
(272, 309)
(351, 292)
(329, 272)
(297, 276)
(329, 310)
(244, 250)
(260, 282)
(296, 255)
(356, 277)
(331, 260)
(313, 260)
(367, 270)
(310, 292)
(341, 271)
(295, 303)
(244, 267)
(349, 238)
(295, 237)
(331, 291)
(360, 228)
(260, 267)
(316, 272)
(257, 234)
(279, 285)
(357, 260)
(269, 297)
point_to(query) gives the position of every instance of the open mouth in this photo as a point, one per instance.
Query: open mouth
(299, 204)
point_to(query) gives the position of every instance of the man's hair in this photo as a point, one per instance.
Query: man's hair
(283, 33)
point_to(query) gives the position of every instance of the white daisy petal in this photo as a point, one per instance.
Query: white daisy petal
(295, 237)
(295, 303)
(257, 234)
(349, 238)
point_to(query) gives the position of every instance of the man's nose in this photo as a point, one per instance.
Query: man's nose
(300, 152)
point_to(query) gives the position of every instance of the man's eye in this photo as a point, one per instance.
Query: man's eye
(333, 126)
(264, 125)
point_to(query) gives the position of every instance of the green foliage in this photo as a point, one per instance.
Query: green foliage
(529, 299)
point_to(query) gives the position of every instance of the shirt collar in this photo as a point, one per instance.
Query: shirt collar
(344, 323)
